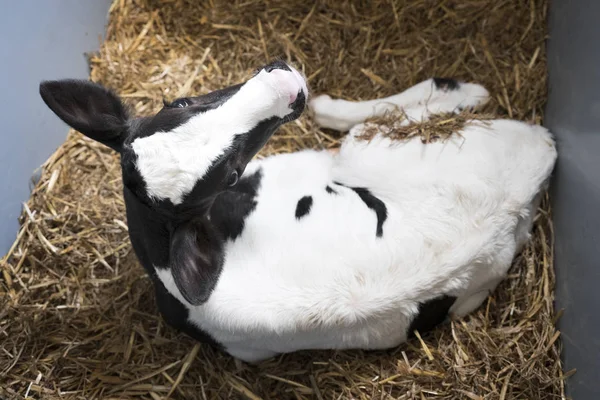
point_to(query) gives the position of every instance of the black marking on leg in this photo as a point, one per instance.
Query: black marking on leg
(330, 190)
(431, 314)
(446, 84)
(373, 203)
(303, 206)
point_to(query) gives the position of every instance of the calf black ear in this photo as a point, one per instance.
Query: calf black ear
(196, 260)
(88, 108)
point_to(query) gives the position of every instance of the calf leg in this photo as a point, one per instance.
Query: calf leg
(436, 95)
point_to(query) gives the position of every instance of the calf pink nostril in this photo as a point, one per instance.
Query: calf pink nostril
(293, 97)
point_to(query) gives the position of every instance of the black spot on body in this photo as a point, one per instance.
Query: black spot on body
(232, 207)
(446, 83)
(431, 313)
(373, 203)
(303, 206)
(330, 190)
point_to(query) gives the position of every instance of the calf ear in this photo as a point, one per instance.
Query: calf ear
(88, 108)
(196, 259)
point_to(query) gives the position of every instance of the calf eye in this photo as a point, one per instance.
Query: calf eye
(181, 103)
(233, 178)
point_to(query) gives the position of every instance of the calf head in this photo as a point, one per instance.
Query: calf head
(177, 161)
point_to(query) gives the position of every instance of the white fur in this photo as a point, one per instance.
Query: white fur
(172, 162)
(457, 214)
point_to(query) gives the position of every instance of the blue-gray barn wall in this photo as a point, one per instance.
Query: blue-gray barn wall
(573, 115)
(39, 39)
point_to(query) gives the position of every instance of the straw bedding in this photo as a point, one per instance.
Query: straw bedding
(77, 313)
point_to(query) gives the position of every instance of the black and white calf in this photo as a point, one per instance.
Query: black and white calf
(314, 250)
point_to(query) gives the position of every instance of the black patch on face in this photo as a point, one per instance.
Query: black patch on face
(171, 116)
(247, 145)
(446, 84)
(208, 101)
(232, 207)
(303, 206)
(431, 313)
(214, 184)
(297, 106)
(330, 190)
(277, 64)
(374, 204)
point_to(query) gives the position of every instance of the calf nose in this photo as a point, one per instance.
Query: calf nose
(277, 65)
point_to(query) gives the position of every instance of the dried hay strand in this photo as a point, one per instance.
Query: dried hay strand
(397, 126)
(77, 313)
